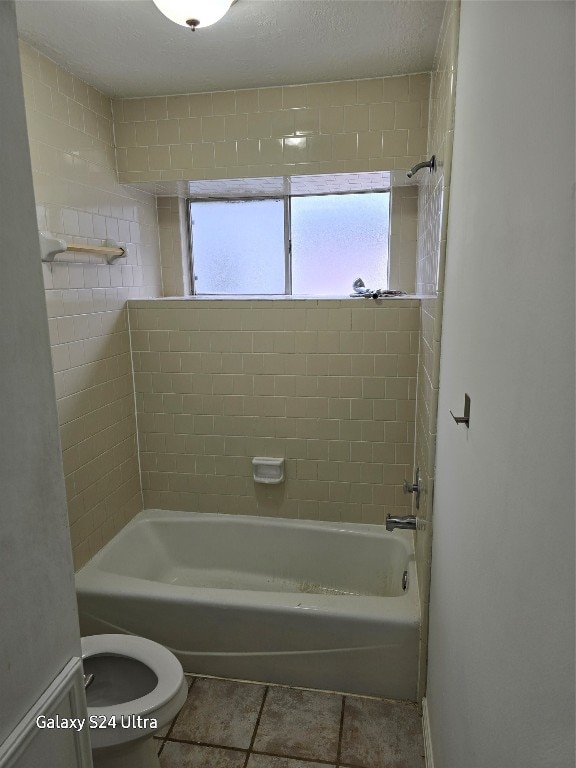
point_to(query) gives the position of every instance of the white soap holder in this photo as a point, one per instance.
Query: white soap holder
(267, 470)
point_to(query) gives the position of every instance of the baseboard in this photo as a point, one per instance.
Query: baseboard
(426, 733)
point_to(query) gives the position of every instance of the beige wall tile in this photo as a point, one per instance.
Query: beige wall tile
(225, 154)
(178, 106)
(270, 151)
(282, 123)
(370, 91)
(247, 101)
(200, 104)
(133, 109)
(146, 133)
(158, 157)
(382, 116)
(259, 125)
(270, 99)
(136, 158)
(213, 128)
(156, 108)
(202, 155)
(168, 131)
(75, 184)
(417, 141)
(294, 96)
(281, 379)
(236, 127)
(181, 157)
(320, 95)
(191, 129)
(357, 116)
(407, 115)
(248, 151)
(395, 143)
(345, 146)
(295, 150)
(331, 119)
(306, 122)
(320, 148)
(419, 86)
(125, 134)
(224, 102)
(396, 88)
(370, 144)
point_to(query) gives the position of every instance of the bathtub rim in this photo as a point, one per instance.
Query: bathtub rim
(93, 579)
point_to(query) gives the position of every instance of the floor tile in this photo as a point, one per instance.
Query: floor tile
(381, 734)
(267, 761)
(164, 731)
(220, 712)
(177, 755)
(300, 724)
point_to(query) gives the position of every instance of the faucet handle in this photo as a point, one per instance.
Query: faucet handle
(415, 487)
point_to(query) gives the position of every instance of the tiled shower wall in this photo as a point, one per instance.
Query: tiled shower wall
(329, 385)
(352, 125)
(432, 225)
(78, 198)
(345, 384)
(403, 238)
(174, 246)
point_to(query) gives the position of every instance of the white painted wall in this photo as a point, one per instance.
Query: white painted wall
(501, 653)
(39, 631)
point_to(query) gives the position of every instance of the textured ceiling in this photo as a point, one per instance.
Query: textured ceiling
(128, 48)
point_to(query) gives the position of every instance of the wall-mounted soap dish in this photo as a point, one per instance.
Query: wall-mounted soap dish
(268, 470)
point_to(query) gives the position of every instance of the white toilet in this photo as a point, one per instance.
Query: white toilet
(137, 688)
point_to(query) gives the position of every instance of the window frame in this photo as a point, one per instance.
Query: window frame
(287, 200)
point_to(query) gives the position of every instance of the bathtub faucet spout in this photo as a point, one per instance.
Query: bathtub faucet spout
(406, 521)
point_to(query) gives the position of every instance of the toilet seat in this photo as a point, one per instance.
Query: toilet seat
(121, 735)
(154, 656)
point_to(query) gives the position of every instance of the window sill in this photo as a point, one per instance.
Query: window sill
(284, 297)
(254, 301)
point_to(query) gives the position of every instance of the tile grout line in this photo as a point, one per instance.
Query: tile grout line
(339, 753)
(253, 739)
(206, 744)
(173, 723)
(299, 758)
(314, 761)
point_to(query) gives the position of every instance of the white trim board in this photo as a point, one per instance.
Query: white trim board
(28, 745)
(429, 757)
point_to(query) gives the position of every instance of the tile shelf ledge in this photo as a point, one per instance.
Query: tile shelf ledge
(260, 297)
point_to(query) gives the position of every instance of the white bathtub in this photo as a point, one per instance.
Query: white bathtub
(312, 604)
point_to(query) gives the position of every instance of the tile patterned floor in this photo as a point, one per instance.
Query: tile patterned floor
(225, 724)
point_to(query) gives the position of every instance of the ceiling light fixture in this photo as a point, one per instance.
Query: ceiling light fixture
(194, 13)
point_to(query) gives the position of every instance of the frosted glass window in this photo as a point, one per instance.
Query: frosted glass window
(337, 238)
(238, 246)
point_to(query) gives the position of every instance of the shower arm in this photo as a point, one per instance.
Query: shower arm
(427, 164)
